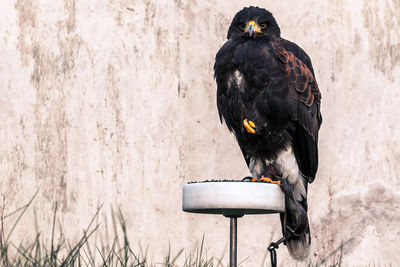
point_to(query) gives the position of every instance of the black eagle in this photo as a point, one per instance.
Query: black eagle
(268, 97)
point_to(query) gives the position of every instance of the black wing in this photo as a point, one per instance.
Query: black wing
(296, 64)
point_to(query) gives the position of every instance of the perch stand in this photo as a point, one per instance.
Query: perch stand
(233, 199)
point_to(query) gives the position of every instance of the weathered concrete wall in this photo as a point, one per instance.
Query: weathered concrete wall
(113, 103)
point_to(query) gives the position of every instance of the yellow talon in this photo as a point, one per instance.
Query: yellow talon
(265, 179)
(276, 182)
(249, 125)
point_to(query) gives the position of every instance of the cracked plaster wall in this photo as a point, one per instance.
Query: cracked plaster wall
(113, 104)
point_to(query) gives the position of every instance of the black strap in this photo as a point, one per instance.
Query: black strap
(275, 245)
(272, 253)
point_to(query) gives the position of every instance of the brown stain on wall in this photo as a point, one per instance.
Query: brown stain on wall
(27, 22)
(349, 216)
(16, 167)
(52, 68)
(50, 126)
(70, 22)
(113, 99)
(381, 18)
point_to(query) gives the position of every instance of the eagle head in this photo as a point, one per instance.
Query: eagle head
(254, 22)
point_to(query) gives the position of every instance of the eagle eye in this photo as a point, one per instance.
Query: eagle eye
(263, 25)
(241, 26)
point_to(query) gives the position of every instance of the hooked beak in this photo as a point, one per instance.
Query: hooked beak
(252, 28)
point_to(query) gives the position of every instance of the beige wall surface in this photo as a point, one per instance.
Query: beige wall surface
(113, 103)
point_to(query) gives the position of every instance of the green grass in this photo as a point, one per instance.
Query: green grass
(84, 252)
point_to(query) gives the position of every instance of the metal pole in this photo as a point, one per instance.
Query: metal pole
(233, 242)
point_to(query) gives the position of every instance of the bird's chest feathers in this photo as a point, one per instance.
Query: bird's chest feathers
(236, 83)
(244, 100)
(242, 94)
(253, 65)
(239, 94)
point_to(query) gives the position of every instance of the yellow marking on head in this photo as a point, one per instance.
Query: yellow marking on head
(255, 25)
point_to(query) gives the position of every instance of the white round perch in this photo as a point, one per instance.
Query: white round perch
(233, 199)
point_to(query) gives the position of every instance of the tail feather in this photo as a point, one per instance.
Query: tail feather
(295, 217)
(299, 247)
